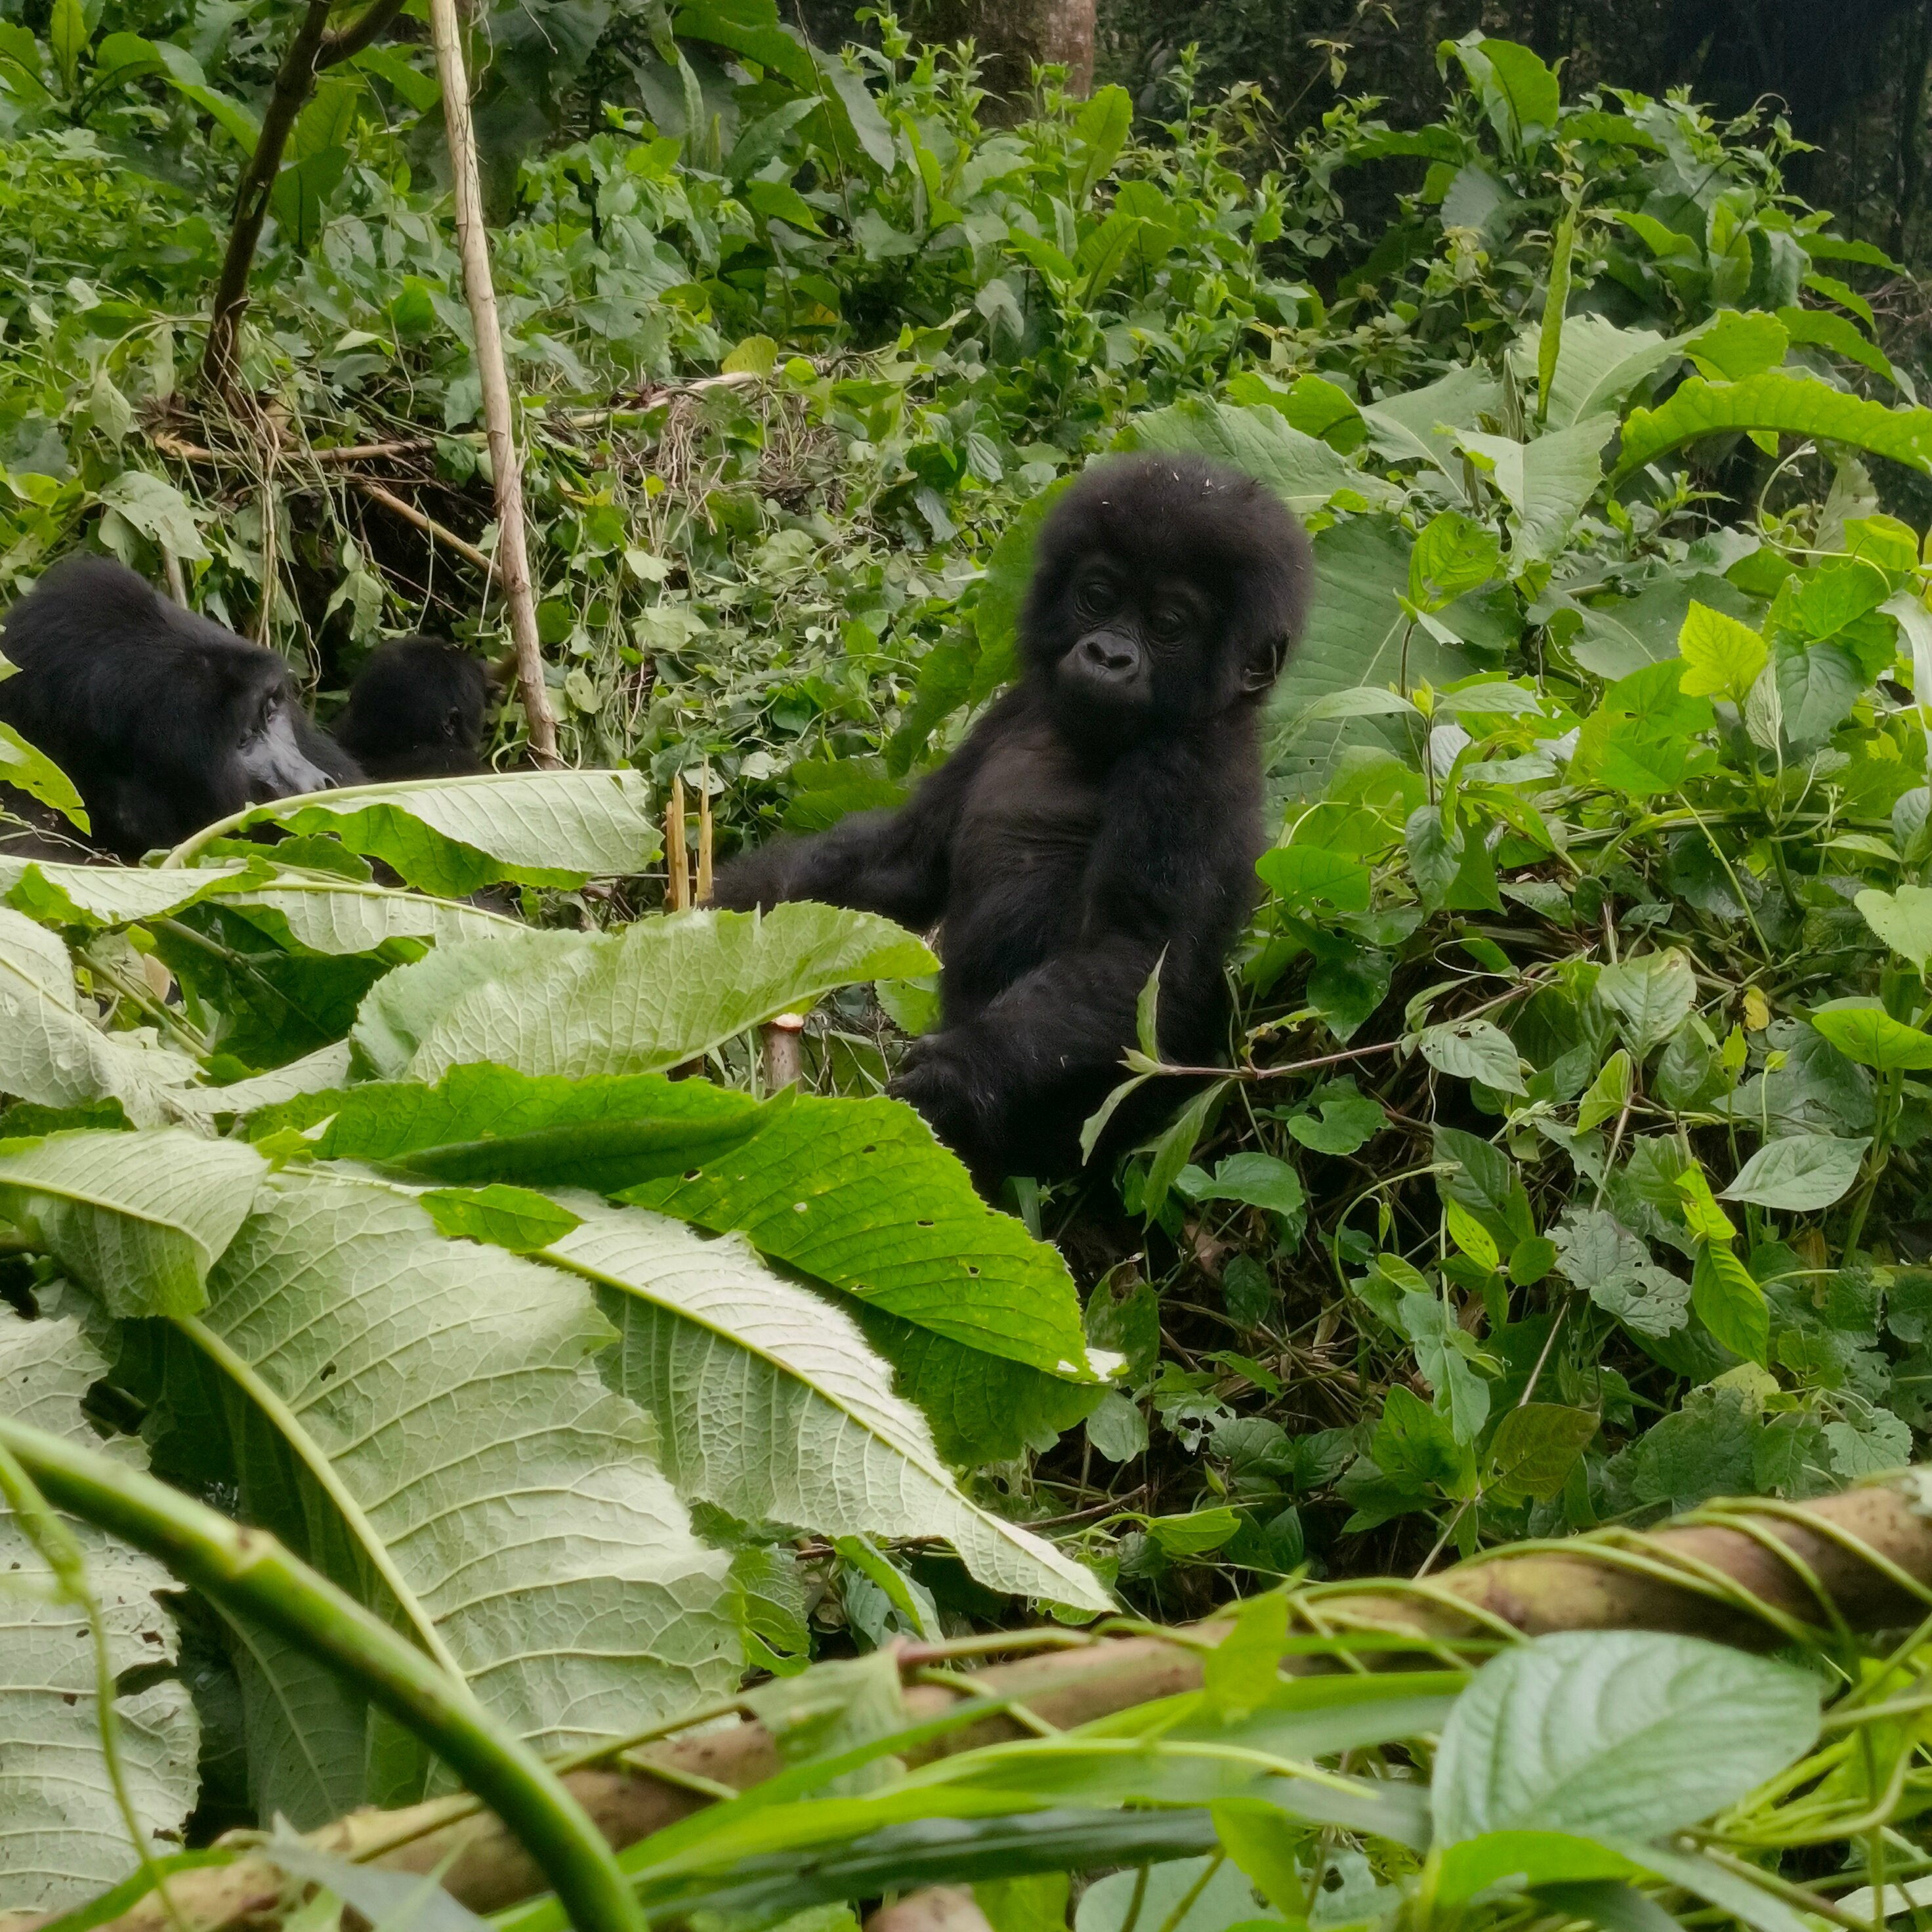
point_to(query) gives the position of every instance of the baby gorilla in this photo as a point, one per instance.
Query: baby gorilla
(164, 722)
(1104, 815)
(415, 711)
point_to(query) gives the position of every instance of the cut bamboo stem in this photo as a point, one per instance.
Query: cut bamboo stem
(782, 1060)
(677, 860)
(704, 837)
(513, 559)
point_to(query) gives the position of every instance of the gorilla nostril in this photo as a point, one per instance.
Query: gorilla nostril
(1107, 654)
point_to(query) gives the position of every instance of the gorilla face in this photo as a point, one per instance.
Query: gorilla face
(272, 753)
(1139, 649)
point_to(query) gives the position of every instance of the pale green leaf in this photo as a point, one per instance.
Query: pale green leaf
(1304, 471)
(452, 836)
(1475, 1049)
(337, 916)
(1861, 1029)
(442, 1398)
(1722, 658)
(1903, 919)
(1615, 1733)
(140, 1218)
(1801, 1173)
(32, 771)
(1652, 997)
(773, 1407)
(660, 992)
(1545, 482)
(105, 895)
(61, 1827)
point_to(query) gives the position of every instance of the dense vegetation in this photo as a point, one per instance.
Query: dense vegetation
(1569, 1169)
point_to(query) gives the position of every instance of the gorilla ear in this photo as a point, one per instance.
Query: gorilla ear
(1262, 668)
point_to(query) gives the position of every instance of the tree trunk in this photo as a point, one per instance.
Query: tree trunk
(1012, 37)
(513, 557)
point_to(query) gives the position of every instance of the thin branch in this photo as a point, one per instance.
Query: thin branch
(513, 559)
(427, 525)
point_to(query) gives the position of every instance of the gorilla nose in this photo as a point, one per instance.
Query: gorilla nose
(1115, 656)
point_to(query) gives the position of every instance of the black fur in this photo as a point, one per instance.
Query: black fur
(415, 711)
(164, 722)
(1106, 814)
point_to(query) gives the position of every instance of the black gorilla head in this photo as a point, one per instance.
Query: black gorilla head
(416, 711)
(1167, 590)
(164, 721)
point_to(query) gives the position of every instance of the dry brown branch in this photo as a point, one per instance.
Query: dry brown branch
(1868, 1550)
(513, 559)
(429, 526)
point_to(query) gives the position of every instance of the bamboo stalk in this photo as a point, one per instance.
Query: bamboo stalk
(513, 560)
(677, 860)
(703, 890)
(779, 1043)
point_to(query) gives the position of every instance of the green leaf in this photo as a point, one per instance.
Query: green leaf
(1343, 1120)
(239, 123)
(1802, 1174)
(1597, 1254)
(36, 775)
(858, 1194)
(437, 1408)
(67, 36)
(750, 27)
(1546, 483)
(1793, 405)
(1475, 1049)
(771, 1406)
(1527, 1859)
(658, 993)
(1242, 1671)
(1535, 1447)
(140, 1218)
(506, 1217)
(1642, 738)
(1903, 919)
(1258, 1180)
(1597, 366)
(1519, 93)
(52, 1054)
(1861, 1029)
(1306, 875)
(66, 1837)
(1651, 996)
(340, 917)
(155, 508)
(1729, 1302)
(483, 1123)
(1736, 345)
(1722, 658)
(422, 92)
(1452, 554)
(1101, 128)
(299, 199)
(1304, 472)
(453, 836)
(1606, 1095)
(1615, 1733)
(1146, 1014)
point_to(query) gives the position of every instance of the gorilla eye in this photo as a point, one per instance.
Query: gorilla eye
(1094, 597)
(1170, 623)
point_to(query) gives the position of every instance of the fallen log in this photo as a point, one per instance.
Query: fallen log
(1750, 1573)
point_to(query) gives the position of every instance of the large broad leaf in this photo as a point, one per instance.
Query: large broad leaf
(1545, 482)
(345, 916)
(1357, 637)
(106, 894)
(51, 1053)
(1610, 1734)
(773, 1407)
(452, 835)
(140, 1218)
(62, 1829)
(1861, 1029)
(1301, 469)
(1420, 424)
(1597, 366)
(479, 1124)
(859, 1194)
(660, 992)
(439, 1402)
(1792, 405)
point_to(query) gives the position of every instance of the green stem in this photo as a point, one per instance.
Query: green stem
(1881, 1149)
(247, 1570)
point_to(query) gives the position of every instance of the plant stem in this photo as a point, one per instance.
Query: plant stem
(247, 1570)
(513, 560)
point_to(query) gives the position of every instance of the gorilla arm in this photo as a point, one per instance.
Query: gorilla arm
(898, 863)
(1170, 881)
